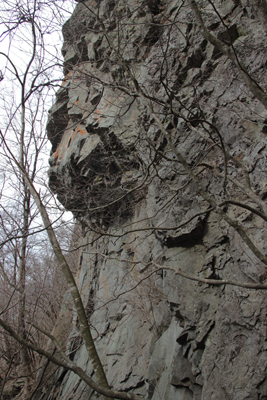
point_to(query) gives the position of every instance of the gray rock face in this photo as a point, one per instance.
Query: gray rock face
(142, 83)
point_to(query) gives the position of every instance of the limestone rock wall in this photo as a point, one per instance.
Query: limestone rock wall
(141, 80)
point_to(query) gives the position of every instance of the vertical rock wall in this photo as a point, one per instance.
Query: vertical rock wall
(139, 73)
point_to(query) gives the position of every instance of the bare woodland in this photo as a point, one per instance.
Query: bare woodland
(39, 251)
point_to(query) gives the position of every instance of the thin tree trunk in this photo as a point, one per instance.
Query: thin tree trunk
(84, 326)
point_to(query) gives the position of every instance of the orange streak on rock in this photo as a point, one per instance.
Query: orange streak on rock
(56, 154)
(66, 78)
(80, 130)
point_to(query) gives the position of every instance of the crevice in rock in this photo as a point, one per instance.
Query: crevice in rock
(187, 239)
(90, 304)
(186, 335)
(57, 124)
(201, 343)
(126, 377)
(80, 55)
(138, 385)
(229, 35)
(154, 6)
(74, 346)
(152, 35)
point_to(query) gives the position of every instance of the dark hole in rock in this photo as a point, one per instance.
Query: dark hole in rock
(56, 125)
(152, 35)
(154, 6)
(229, 36)
(95, 100)
(213, 26)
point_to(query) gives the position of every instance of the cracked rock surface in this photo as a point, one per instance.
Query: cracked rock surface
(159, 334)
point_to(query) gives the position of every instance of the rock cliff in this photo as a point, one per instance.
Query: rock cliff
(159, 150)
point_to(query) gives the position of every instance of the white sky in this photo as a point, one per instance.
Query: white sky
(16, 43)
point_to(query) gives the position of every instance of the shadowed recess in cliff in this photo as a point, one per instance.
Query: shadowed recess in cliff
(93, 181)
